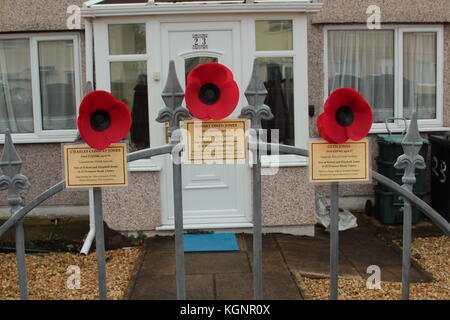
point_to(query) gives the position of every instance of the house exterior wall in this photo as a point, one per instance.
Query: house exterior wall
(42, 162)
(35, 15)
(392, 11)
(43, 166)
(287, 197)
(136, 207)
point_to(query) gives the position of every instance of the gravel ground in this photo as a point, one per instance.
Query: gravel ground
(432, 254)
(47, 277)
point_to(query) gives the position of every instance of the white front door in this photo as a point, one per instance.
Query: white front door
(214, 196)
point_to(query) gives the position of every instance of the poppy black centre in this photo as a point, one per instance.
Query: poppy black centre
(100, 120)
(209, 93)
(344, 116)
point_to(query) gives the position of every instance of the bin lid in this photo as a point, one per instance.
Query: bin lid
(395, 139)
(440, 138)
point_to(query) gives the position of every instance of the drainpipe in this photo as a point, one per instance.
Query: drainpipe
(89, 46)
(88, 39)
(91, 235)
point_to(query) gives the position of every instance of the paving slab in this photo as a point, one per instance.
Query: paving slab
(309, 255)
(272, 259)
(158, 263)
(239, 286)
(376, 253)
(360, 235)
(163, 287)
(160, 244)
(216, 262)
(234, 286)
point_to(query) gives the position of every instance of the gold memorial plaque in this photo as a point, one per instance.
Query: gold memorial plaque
(86, 167)
(216, 141)
(346, 162)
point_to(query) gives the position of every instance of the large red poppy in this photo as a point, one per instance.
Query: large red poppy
(346, 116)
(103, 120)
(211, 92)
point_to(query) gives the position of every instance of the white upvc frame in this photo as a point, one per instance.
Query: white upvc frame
(425, 125)
(299, 54)
(103, 58)
(94, 9)
(40, 135)
(439, 73)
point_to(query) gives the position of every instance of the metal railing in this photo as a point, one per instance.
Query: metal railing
(11, 164)
(14, 182)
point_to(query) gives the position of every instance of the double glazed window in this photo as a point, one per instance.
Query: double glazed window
(274, 50)
(128, 74)
(396, 70)
(39, 85)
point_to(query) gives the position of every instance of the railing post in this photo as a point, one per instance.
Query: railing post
(257, 226)
(20, 258)
(100, 243)
(409, 161)
(173, 113)
(179, 240)
(334, 241)
(256, 111)
(13, 181)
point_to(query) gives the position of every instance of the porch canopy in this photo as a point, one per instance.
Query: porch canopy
(99, 8)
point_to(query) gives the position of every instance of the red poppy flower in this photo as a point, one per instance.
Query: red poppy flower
(211, 92)
(346, 116)
(103, 120)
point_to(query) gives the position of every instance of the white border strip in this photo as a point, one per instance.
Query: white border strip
(197, 8)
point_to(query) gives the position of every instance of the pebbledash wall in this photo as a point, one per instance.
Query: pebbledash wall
(288, 198)
(42, 161)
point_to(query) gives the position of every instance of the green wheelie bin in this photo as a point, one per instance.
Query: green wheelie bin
(388, 204)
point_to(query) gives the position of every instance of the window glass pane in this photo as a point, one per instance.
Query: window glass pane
(364, 61)
(129, 84)
(191, 63)
(419, 74)
(127, 38)
(277, 75)
(16, 104)
(273, 35)
(57, 84)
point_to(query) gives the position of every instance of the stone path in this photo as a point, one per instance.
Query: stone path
(227, 275)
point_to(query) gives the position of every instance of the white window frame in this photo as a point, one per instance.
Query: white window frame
(299, 54)
(103, 58)
(425, 125)
(40, 135)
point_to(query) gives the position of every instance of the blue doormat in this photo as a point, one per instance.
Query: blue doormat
(210, 242)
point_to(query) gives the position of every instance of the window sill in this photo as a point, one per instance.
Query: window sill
(143, 165)
(285, 160)
(47, 137)
(399, 129)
